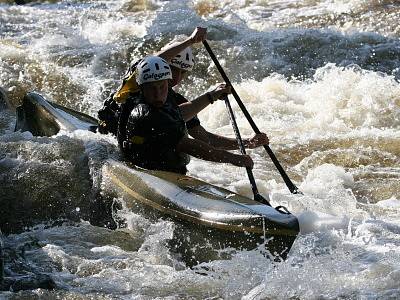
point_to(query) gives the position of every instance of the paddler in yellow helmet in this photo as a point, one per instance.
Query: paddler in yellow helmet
(152, 132)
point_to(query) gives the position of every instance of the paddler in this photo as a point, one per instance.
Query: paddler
(152, 131)
(181, 60)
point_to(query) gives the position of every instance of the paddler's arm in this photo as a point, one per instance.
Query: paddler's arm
(191, 108)
(225, 143)
(201, 150)
(197, 36)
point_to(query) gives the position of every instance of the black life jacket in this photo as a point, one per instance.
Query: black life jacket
(141, 143)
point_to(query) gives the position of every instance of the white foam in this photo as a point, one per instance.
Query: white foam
(314, 221)
(392, 203)
(339, 101)
(323, 179)
(111, 30)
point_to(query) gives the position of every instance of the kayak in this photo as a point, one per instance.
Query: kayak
(208, 218)
(45, 118)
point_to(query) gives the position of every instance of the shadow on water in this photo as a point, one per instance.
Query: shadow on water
(45, 179)
(4, 101)
(38, 258)
(55, 183)
(18, 273)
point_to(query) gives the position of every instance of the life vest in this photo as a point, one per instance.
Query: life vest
(140, 142)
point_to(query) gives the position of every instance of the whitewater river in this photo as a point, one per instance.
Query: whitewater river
(320, 77)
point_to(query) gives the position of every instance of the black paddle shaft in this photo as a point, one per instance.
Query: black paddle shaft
(250, 174)
(291, 186)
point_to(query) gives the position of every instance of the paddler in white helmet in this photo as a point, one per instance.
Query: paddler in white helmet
(152, 131)
(181, 60)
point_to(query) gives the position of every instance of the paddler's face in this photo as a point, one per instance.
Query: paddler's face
(177, 76)
(155, 93)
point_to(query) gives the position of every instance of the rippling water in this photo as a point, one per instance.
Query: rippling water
(320, 77)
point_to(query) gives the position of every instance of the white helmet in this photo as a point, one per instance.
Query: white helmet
(152, 68)
(184, 60)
